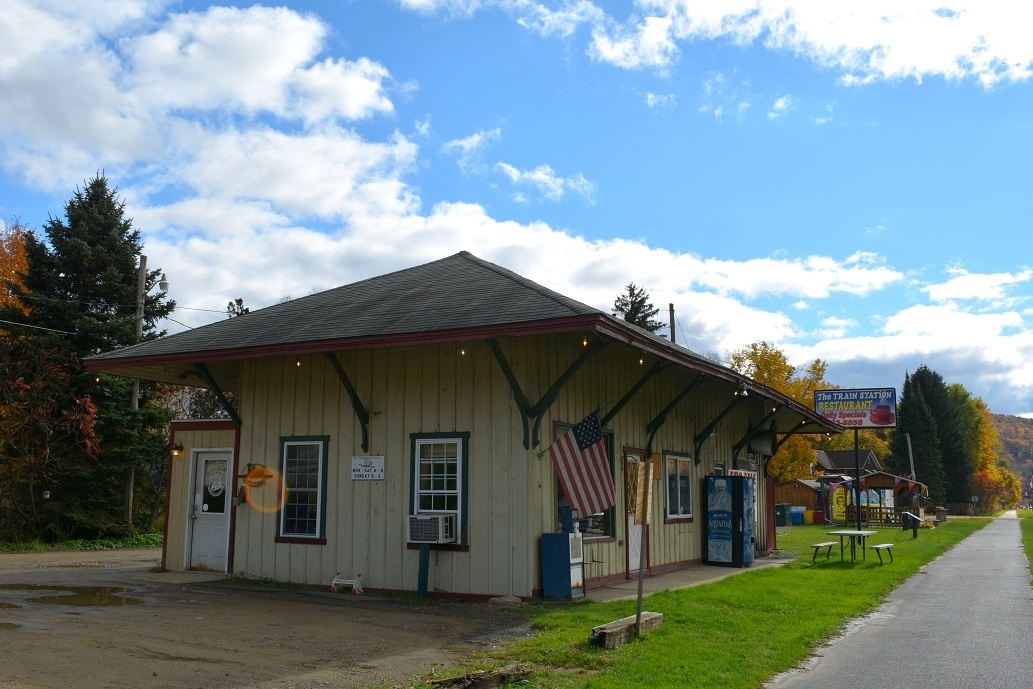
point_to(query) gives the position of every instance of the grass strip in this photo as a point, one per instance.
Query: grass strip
(144, 540)
(738, 632)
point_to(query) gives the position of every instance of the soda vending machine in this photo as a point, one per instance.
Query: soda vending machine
(729, 504)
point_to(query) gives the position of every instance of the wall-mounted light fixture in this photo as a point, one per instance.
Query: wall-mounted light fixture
(256, 475)
(297, 362)
(46, 495)
(584, 341)
(743, 392)
(177, 449)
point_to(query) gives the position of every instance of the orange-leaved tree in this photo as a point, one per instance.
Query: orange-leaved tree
(769, 366)
(13, 263)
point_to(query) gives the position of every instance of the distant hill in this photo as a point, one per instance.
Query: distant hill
(1017, 440)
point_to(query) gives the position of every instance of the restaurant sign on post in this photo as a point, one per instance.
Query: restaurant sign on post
(858, 407)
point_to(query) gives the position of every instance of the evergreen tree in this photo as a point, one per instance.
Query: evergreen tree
(78, 296)
(955, 449)
(916, 420)
(634, 306)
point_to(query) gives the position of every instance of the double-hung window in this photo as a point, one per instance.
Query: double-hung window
(679, 487)
(303, 467)
(440, 470)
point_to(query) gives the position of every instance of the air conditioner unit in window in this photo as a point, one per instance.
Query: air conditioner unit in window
(432, 527)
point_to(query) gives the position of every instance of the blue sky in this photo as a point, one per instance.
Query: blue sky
(848, 181)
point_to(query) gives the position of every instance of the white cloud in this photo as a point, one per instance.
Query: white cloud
(780, 107)
(973, 286)
(876, 40)
(561, 22)
(221, 59)
(648, 43)
(657, 101)
(469, 148)
(547, 183)
(813, 277)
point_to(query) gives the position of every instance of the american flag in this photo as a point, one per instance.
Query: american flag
(583, 468)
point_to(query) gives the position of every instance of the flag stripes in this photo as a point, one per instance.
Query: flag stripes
(583, 467)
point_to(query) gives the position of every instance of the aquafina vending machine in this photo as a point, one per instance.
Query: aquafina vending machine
(730, 510)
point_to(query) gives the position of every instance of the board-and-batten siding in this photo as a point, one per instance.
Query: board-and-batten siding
(178, 520)
(438, 388)
(417, 390)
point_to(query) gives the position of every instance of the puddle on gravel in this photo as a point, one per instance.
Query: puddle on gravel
(92, 596)
(8, 625)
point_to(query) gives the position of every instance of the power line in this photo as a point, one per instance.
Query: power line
(40, 327)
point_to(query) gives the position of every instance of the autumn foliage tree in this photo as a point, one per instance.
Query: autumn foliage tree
(993, 484)
(47, 435)
(769, 366)
(12, 262)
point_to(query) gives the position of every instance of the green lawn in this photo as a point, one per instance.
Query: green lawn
(738, 632)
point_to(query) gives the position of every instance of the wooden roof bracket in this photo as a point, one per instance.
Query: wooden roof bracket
(538, 409)
(360, 410)
(653, 426)
(209, 380)
(705, 434)
(778, 444)
(655, 369)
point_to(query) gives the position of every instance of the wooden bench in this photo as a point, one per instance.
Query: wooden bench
(819, 546)
(888, 547)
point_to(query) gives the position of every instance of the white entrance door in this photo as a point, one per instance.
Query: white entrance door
(210, 513)
(633, 476)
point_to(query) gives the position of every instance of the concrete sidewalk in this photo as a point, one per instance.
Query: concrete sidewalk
(683, 578)
(962, 622)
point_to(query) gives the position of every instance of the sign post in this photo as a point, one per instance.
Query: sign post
(858, 408)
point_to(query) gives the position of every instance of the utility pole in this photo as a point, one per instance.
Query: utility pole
(129, 478)
(670, 309)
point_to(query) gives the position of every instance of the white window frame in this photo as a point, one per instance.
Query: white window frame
(461, 490)
(675, 510)
(286, 443)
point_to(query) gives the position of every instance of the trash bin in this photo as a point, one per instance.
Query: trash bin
(819, 516)
(808, 516)
(941, 514)
(782, 514)
(796, 512)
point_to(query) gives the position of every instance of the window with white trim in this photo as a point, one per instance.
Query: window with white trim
(679, 486)
(440, 469)
(303, 467)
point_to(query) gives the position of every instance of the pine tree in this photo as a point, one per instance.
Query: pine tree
(955, 450)
(78, 295)
(634, 307)
(916, 420)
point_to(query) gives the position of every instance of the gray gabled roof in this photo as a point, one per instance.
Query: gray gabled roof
(454, 293)
(457, 298)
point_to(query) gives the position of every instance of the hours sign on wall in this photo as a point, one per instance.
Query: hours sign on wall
(368, 468)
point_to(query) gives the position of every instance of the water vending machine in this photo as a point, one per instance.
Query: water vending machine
(730, 511)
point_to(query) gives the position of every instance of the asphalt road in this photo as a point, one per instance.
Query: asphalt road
(966, 622)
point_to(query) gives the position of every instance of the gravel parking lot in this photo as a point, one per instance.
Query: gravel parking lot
(104, 619)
